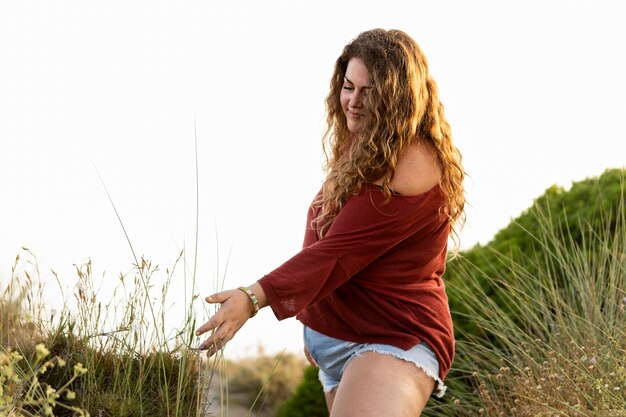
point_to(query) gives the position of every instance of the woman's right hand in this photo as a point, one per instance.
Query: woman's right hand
(234, 311)
(236, 308)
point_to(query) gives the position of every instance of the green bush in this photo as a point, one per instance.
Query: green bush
(588, 207)
(308, 400)
(539, 317)
(550, 338)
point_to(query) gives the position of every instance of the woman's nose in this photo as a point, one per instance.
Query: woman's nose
(356, 100)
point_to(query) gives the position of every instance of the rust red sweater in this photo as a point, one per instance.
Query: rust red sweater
(375, 276)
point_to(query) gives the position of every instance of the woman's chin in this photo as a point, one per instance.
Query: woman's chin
(355, 128)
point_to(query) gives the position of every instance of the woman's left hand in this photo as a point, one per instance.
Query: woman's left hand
(235, 310)
(309, 357)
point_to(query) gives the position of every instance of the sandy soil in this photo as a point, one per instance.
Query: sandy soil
(213, 404)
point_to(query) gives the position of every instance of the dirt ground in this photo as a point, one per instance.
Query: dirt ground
(213, 404)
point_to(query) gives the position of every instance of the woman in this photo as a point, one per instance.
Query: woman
(367, 285)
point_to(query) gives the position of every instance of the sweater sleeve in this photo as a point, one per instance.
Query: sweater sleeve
(367, 227)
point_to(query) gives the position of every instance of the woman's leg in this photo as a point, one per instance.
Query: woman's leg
(330, 399)
(375, 384)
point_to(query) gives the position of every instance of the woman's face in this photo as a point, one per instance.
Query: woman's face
(353, 98)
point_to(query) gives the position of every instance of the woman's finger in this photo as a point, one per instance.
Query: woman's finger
(214, 343)
(217, 318)
(220, 297)
(222, 335)
(211, 324)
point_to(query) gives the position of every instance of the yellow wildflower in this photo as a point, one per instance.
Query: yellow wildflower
(79, 369)
(41, 350)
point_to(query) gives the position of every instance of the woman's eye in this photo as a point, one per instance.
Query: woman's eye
(347, 87)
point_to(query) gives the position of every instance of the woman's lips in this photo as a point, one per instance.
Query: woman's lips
(354, 115)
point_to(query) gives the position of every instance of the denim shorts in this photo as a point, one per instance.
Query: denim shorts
(333, 355)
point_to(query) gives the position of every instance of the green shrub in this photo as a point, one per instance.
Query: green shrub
(547, 335)
(589, 206)
(308, 400)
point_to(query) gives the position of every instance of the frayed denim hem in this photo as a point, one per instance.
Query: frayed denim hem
(333, 355)
(440, 389)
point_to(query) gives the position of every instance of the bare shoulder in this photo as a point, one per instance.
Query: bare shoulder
(417, 170)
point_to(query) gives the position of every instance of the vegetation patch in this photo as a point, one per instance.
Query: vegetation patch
(111, 359)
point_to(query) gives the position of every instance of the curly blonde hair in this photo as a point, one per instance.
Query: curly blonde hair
(404, 108)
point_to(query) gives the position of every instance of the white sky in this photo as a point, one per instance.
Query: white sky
(535, 92)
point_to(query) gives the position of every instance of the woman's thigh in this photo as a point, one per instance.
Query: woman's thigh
(375, 384)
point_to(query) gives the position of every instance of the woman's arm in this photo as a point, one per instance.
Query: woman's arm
(236, 307)
(360, 233)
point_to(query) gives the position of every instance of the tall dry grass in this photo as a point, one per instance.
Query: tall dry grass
(551, 337)
(135, 364)
(121, 357)
(117, 355)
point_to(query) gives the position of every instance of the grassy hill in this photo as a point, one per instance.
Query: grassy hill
(540, 310)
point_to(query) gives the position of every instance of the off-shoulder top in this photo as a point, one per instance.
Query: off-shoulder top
(375, 275)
